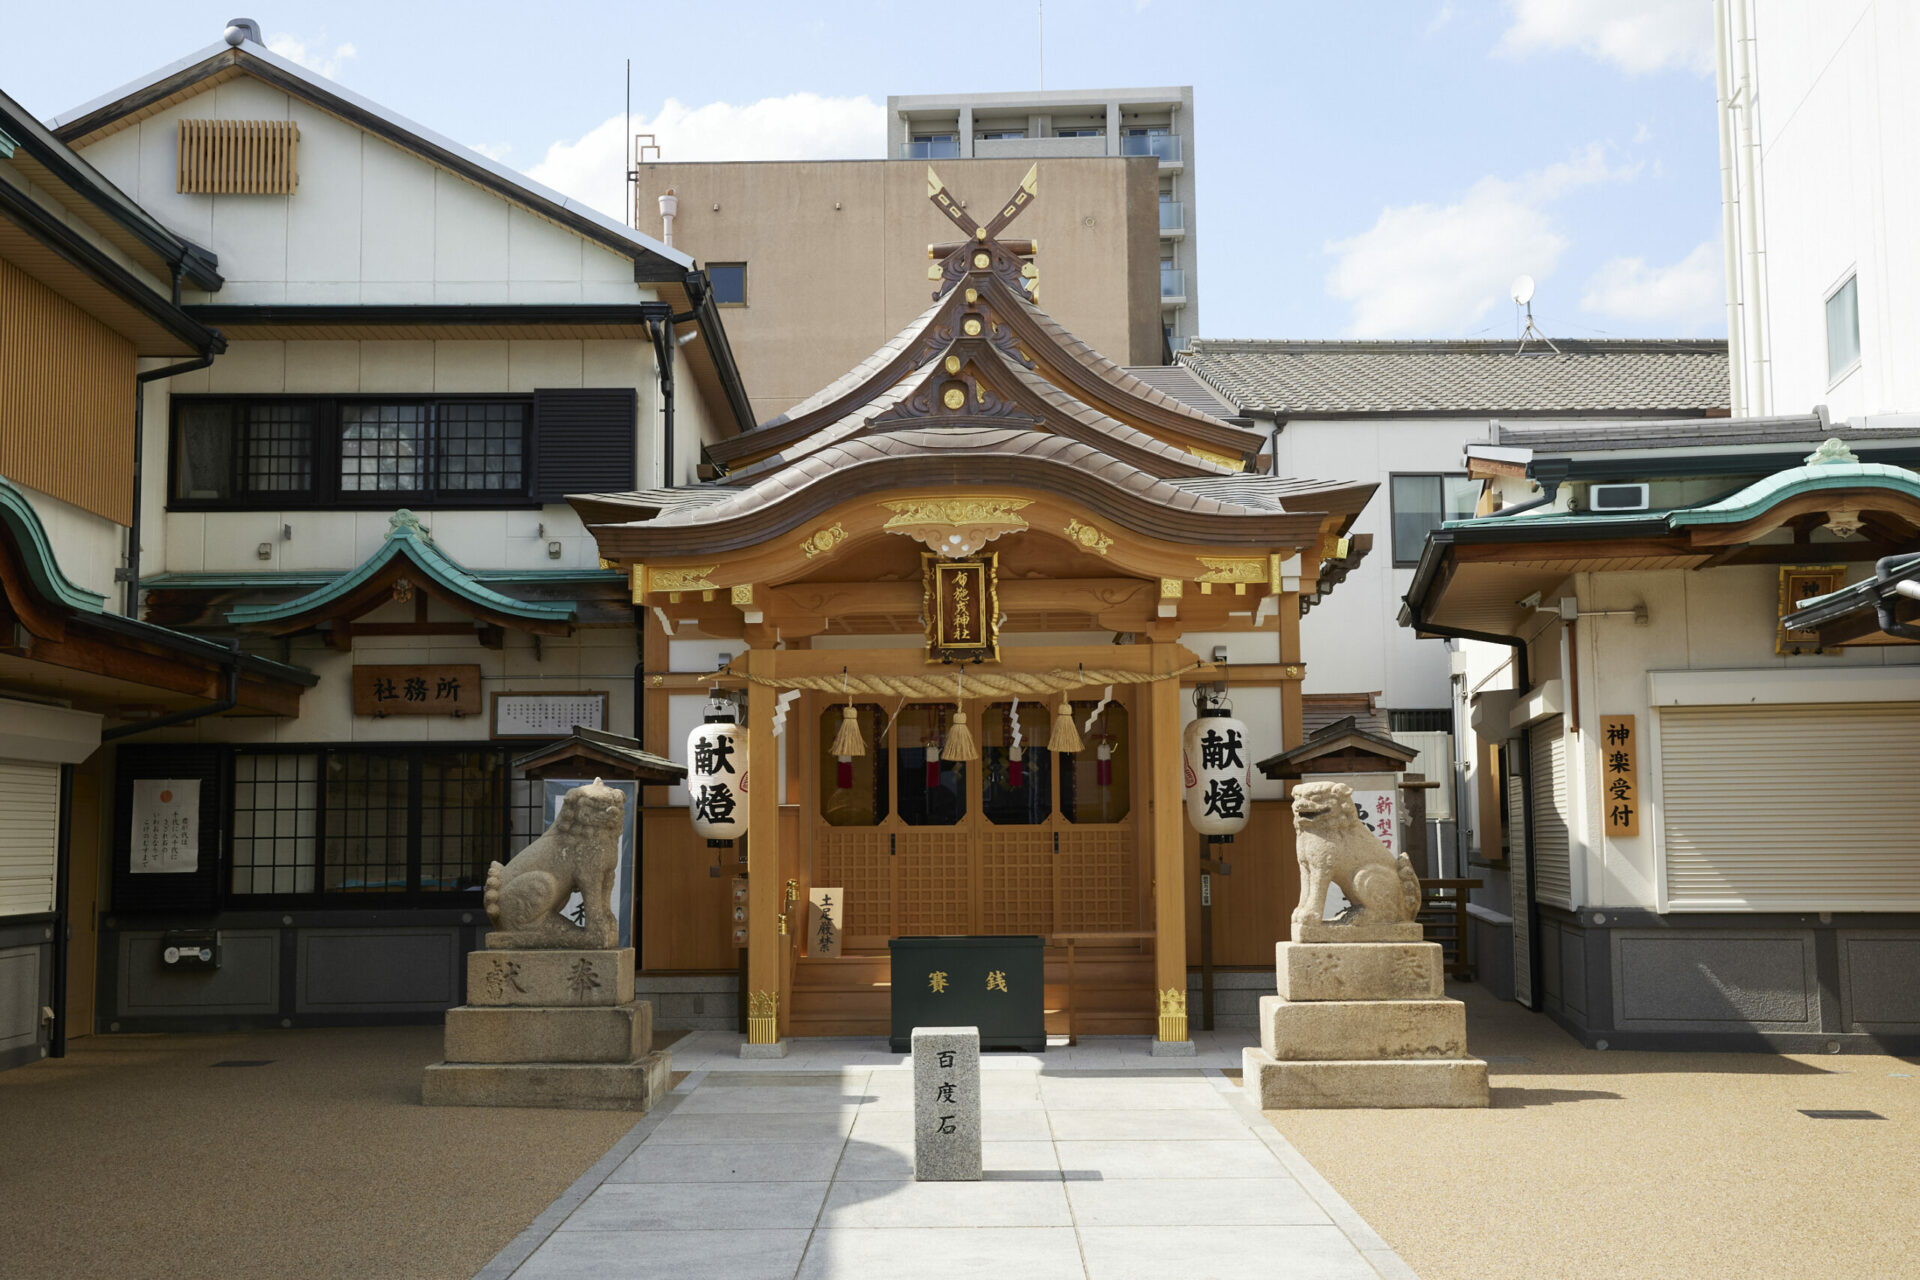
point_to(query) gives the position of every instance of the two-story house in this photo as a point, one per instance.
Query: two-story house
(424, 352)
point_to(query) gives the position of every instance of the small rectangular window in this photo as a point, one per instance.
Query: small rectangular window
(1421, 504)
(383, 448)
(729, 282)
(480, 447)
(1843, 328)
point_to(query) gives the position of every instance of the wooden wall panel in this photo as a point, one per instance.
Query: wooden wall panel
(683, 909)
(1253, 907)
(66, 400)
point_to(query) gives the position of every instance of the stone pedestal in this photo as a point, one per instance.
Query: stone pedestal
(1362, 1024)
(549, 1029)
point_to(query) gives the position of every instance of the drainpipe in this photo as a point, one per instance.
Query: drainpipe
(1550, 476)
(1729, 214)
(662, 333)
(226, 702)
(62, 916)
(131, 574)
(1883, 611)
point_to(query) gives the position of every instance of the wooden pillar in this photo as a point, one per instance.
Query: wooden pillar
(1169, 855)
(764, 939)
(1292, 726)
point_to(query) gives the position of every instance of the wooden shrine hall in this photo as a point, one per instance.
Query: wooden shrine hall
(966, 592)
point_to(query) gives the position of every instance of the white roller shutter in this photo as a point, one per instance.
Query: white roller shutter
(1552, 871)
(29, 835)
(1792, 808)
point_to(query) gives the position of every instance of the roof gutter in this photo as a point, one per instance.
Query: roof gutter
(226, 702)
(707, 312)
(1882, 606)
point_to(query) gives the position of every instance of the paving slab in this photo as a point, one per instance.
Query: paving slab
(1116, 1170)
(667, 1255)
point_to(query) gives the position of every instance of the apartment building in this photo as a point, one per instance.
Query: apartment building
(1152, 122)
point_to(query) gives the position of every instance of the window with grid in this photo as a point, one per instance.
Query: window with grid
(275, 820)
(277, 448)
(462, 818)
(383, 447)
(368, 821)
(479, 446)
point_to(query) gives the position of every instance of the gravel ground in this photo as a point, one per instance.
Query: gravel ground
(137, 1156)
(1636, 1165)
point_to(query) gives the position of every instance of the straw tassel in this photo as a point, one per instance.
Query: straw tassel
(847, 742)
(959, 744)
(1065, 737)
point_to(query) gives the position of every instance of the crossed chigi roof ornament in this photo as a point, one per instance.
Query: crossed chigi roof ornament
(982, 249)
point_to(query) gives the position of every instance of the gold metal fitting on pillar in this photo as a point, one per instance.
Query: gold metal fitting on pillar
(1173, 1015)
(762, 1017)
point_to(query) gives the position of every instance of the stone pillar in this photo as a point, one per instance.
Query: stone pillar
(946, 1104)
(765, 942)
(1168, 834)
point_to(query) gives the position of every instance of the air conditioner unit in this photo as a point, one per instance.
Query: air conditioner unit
(1617, 497)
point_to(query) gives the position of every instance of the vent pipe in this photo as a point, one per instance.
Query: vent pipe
(669, 206)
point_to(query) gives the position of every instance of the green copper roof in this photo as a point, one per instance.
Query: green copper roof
(23, 522)
(406, 537)
(1761, 495)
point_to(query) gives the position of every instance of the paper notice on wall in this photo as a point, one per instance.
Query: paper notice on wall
(166, 826)
(1376, 811)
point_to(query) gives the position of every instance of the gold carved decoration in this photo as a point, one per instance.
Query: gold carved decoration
(971, 327)
(822, 540)
(763, 1024)
(980, 260)
(1085, 535)
(973, 295)
(1800, 583)
(676, 580)
(954, 527)
(961, 600)
(1231, 569)
(743, 594)
(953, 364)
(1173, 1015)
(1172, 588)
(637, 582)
(953, 397)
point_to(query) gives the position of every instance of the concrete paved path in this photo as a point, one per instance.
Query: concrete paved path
(1107, 1166)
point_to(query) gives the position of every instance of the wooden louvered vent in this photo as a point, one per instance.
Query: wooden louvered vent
(239, 157)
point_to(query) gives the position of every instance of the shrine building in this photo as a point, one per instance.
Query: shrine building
(963, 597)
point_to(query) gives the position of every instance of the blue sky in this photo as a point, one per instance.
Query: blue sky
(1371, 168)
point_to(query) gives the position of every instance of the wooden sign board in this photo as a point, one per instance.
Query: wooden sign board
(963, 608)
(827, 909)
(546, 714)
(1800, 583)
(421, 690)
(1620, 774)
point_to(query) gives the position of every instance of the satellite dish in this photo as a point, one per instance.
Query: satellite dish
(1523, 289)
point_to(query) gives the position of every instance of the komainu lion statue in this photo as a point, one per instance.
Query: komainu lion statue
(580, 851)
(1334, 847)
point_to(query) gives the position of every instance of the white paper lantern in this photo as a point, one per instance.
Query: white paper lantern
(717, 780)
(1216, 772)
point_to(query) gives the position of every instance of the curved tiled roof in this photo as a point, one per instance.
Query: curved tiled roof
(1305, 379)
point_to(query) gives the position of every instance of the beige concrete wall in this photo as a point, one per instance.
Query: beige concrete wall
(836, 253)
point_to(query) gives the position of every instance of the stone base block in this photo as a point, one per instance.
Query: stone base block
(551, 979)
(1171, 1049)
(616, 1033)
(1280, 1086)
(778, 1049)
(1331, 931)
(1365, 1030)
(1359, 970)
(608, 1086)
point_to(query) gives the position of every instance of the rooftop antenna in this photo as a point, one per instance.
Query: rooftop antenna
(1041, 43)
(633, 170)
(1523, 297)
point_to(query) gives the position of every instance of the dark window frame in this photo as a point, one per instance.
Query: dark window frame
(511, 817)
(324, 454)
(1392, 535)
(714, 284)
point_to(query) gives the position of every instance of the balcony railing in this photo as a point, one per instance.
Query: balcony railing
(931, 149)
(1164, 146)
(1173, 282)
(1172, 216)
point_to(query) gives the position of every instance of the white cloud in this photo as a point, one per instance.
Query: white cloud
(1445, 15)
(1689, 295)
(1637, 36)
(1426, 269)
(800, 126)
(313, 55)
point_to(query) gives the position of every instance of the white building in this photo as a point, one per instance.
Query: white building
(1155, 123)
